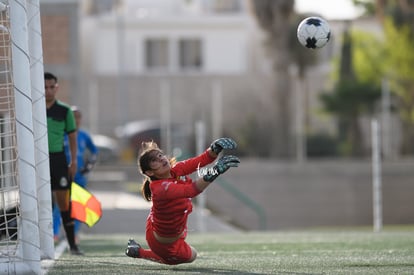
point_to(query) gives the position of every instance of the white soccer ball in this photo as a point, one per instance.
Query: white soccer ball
(313, 32)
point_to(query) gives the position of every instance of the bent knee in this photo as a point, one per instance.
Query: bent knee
(193, 255)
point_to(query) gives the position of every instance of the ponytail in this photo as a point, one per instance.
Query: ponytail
(145, 190)
(144, 161)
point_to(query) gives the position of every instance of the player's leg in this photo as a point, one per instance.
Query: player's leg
(61, 186)
(174, 253)
(63, 200)
(193, 255)
(56, 222)
(134, 250)
(81, 181)
(77, 229)
(180, 252)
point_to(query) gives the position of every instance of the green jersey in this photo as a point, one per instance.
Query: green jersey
(60, 121)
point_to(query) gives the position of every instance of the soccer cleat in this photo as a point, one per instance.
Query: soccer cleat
(133, 249)
(76, 251)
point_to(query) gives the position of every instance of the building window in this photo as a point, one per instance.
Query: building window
(190, 54)
(156, 53)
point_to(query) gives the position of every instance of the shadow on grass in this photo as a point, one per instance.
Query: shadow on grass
(111, 267)
(200, 270)
(213, 271)
(381, 265)
(114, 267)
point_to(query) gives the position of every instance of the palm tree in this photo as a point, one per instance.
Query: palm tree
(273, 17)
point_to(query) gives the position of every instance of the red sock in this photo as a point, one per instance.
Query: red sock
(147, 254)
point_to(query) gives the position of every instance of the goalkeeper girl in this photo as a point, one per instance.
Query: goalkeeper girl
(170, 189)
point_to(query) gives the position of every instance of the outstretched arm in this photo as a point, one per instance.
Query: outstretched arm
(220, 167)
(222, 143)
(189, 166)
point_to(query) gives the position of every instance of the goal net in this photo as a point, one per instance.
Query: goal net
(25, 198)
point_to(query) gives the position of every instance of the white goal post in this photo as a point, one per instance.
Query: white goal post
(26, 235)
(376, 176)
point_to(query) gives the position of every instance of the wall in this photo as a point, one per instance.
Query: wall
(330, 193)
(318, 193)
(61, 55)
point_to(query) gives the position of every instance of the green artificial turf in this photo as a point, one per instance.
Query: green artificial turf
(335, 251)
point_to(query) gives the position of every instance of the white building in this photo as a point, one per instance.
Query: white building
(181, 61)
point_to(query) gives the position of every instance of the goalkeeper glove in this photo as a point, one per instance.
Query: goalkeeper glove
(221, 166)
(222, 143)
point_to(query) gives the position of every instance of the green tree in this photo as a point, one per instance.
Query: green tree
(368, 57)
(350, 99)
(399, 45)
(397, 60)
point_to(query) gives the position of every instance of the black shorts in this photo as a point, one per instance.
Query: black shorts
(59, 171)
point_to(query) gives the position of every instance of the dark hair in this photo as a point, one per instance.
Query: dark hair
(50, 76)
(144, 161)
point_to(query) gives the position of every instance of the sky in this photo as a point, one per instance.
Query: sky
(329, 9)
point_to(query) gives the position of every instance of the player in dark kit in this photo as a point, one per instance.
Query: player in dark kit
(170, 189)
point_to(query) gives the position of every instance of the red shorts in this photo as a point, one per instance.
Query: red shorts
(174, 253)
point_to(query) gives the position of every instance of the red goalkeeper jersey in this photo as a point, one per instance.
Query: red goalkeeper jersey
(171, 198)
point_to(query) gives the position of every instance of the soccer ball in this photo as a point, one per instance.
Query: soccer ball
(313, 32)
